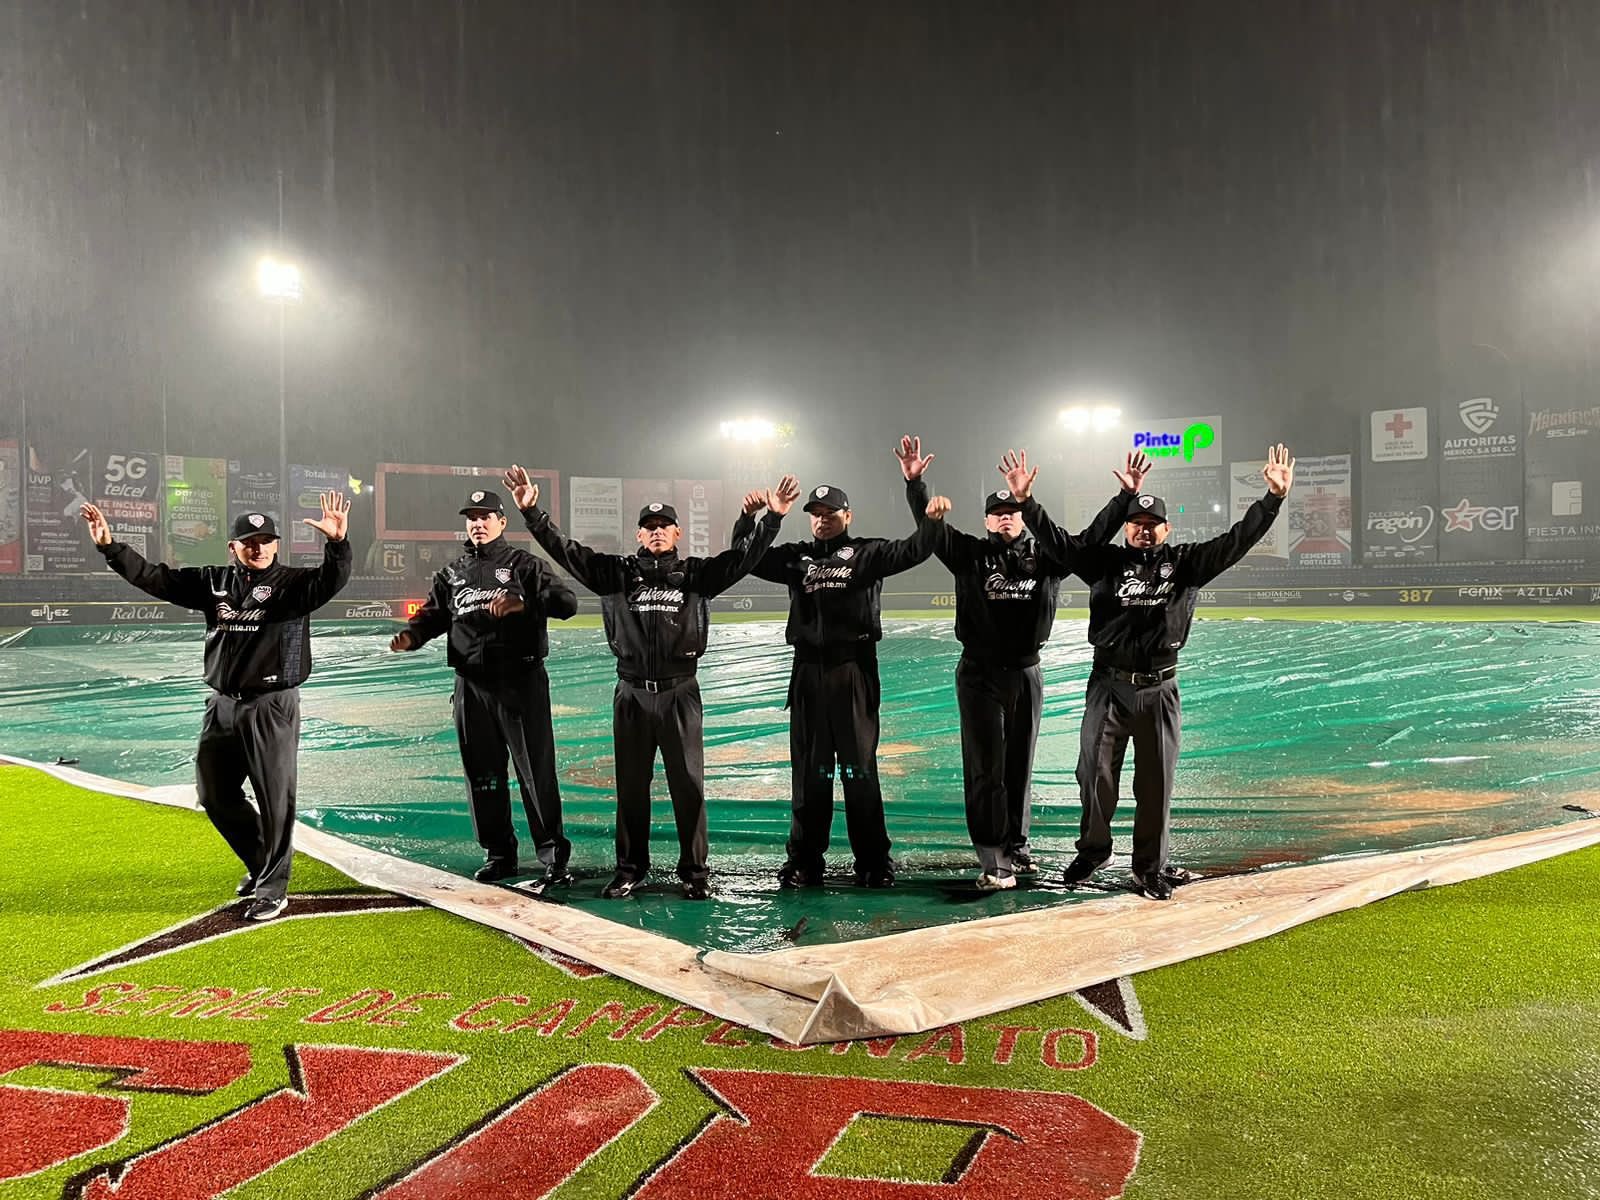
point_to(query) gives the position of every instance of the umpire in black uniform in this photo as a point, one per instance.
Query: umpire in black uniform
(258, 652)
(1141, 604)
(835, 582)
(657, 621)
(1007, 589)
(494, 602)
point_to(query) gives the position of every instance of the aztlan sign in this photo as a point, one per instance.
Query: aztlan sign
(1191, 441)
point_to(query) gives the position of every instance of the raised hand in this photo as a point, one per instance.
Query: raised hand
(524, 492)
(1279, 471)
(504, 605)
(335, 516)
(912, 463)
(1014, 466)
(1131, 477)
(402, 641)
(938, 507)
(754, 502)
(99, 527)
(781, 499)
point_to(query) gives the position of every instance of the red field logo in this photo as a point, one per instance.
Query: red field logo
(771, 1131)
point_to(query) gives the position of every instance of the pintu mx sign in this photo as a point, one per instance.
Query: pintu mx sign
(1192, 439)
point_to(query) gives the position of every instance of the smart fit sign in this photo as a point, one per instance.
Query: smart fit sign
(1191, 441)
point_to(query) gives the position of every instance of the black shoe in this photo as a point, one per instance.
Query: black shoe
(553, 877)
(1022, 862)
(695, 889)
(620, 887)
(246, 888)
(265, 909)
(1154, 886)
(1081, 868)
(495, 870)
(875, 877)
(793, 875)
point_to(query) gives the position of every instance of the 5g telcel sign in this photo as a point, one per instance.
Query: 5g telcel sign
(1183, 441)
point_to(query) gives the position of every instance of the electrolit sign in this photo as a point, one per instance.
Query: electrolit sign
(1192, 441)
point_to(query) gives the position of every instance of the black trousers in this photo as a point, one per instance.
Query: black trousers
(1152, 717)
(833, 717)
(255, 738)
(670, 720)
(999, 709)
(497, 717)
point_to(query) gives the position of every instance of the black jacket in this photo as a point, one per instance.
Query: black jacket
(835, 586)
(458, 603)
(655, 610)
(258, 637)
(1141, 602)
(1006, 594)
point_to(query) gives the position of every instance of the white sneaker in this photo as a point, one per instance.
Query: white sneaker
(265, 910)
(996, 883)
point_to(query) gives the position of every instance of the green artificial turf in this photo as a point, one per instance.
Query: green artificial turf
(1442, 1043)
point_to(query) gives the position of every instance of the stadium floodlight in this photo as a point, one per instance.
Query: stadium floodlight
(1087, 418)
(278, 280)
(748, 429)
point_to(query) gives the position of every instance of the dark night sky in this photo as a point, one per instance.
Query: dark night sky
(591, 229)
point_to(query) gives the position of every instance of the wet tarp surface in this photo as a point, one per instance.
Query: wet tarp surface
(1302, 742)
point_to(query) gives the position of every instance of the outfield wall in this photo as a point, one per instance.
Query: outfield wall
(59, 608)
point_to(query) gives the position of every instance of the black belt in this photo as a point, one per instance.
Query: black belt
(653, 685)
(241, 697)
(1143, 678)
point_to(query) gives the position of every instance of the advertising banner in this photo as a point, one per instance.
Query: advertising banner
(705, 526)
(128, 491)
(1399, 489)
(1245, 486)
(1562, 492)
(59, 482)
(1317, 512)
(306, 485)
(597, 519)
(1480, 480)
(10, 506)
(1181, 441)
(197, 510)
(253, 487)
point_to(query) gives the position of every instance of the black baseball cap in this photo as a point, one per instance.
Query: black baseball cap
(827, 496)
(247, 525)
(484, 501)
(999, 500)
(1148, 506)
(658, 511)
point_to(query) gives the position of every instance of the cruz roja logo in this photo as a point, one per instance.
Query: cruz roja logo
(1169, 445)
